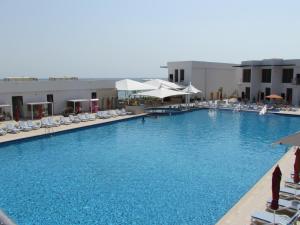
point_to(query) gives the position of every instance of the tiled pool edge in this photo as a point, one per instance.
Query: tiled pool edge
(16, 138)
(255, 199)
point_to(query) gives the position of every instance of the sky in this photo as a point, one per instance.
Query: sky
(133, 38)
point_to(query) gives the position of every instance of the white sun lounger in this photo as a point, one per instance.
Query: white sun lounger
(112, 113)
(45, 123)
(82, 118)
(65, 120)
(124, 111)
(74, 119)
(286, 205)
(268, 218)
(2, 132)
(53, 122)
(289, 193)
(90, 117)
(103, 115)
(23, 126)
(33, 126)
(12, 129)
(120, 113)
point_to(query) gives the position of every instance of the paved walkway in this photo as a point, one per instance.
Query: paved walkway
(255, 200)
(43, 131)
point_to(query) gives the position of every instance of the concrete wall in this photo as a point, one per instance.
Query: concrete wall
(207, 76)
(62, 91)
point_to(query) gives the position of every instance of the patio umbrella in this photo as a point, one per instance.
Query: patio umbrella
(190, 89)
(273, 96)
(297, 166)
(161, 93)
(276, 178)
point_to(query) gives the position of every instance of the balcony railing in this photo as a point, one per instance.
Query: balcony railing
(296, 81)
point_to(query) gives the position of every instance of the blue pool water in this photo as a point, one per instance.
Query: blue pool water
(184, 169)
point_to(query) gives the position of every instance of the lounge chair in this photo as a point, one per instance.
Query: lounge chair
(82, 118)
(290, 183)
(124, 111)
(53, 122)
(2, 132)
(291, 206)
(112, 113)
(65, 120)
(12, 129)
(103, 115)
(289, 193)
(120, 113)
(23, 126)
(33, 126)
(74, 119)
(45, 123)
(271, 218)
(90, 117)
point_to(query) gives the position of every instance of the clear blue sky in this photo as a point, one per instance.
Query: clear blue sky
(132, 38)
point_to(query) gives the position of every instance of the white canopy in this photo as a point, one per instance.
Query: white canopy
(156, 83)
(79, 100)
(132, 85)
(191, 89)
(161, 93)
(38, 103)
(293, 139)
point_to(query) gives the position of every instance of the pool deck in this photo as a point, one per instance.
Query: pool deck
(43, 131)
(255, 199)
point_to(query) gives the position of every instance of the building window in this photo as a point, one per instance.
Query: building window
(94, 95)
(268, 91)
(171, 77)
(181, 75)
(246, 75)
(176, 75)
(287, 75)
(266, 75)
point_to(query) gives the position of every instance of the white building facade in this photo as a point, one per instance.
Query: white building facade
(215, 80)
(259, 79)
(20, 92)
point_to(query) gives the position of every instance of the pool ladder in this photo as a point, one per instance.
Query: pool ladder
(48, 130)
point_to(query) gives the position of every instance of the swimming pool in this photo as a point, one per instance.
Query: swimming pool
(184, 169)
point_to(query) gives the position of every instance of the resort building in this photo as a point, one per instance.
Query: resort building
(215, 80)
(44, 95)
(259, 79)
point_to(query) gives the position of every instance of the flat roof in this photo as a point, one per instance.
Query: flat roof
(39, 103)
(264, 65)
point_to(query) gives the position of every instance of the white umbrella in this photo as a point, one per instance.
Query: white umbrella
(190, 89)
(161, 93)
(158, 82)
(132, 85)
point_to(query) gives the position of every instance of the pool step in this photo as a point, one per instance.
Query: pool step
(4, 219)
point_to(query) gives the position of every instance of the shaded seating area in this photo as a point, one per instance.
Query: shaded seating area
(4, 115)
(37, 109)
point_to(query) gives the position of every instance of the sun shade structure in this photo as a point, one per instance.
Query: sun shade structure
(161, 93)
(293, 140)
(31, 104)
(274, 97)
(132, 85)
(7, 106)
(157, 83)
(190, 89)
(84, 100)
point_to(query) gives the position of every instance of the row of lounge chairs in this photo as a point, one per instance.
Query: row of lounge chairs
(50, 122)
(289, 207)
